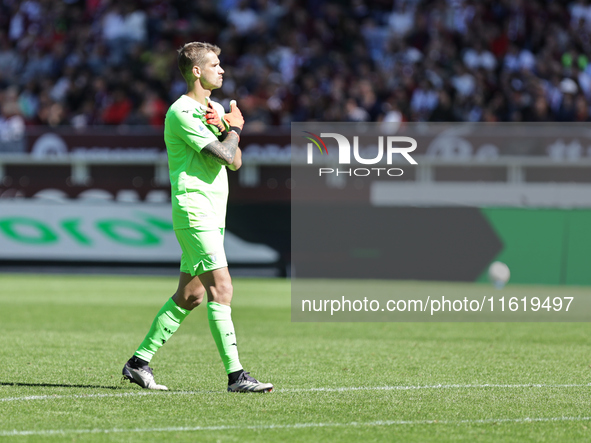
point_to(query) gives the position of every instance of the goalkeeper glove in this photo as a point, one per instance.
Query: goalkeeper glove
(213, 118)
(234, 118)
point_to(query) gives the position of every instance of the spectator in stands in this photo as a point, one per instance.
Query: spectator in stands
(12, 125)
(368, 61)
(118, 109)
(424, 100)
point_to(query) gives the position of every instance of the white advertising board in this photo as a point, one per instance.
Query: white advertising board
(102, 231)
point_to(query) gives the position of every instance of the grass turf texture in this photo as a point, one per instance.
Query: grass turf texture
(65, 339)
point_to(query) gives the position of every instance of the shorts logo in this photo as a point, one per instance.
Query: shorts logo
(213, 258)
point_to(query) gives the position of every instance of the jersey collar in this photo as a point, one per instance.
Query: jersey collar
(196, 103)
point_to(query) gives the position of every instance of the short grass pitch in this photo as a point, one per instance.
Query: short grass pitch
(64, 340)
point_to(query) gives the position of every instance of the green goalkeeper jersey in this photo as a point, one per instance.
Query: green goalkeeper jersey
(199, 183)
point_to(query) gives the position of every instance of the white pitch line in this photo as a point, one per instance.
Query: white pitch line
(122, 394)
(293, 426)
(407, 388)
(342, 389)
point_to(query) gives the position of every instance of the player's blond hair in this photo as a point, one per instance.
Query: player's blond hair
(193, 54)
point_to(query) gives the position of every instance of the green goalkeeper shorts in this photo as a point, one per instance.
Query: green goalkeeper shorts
(202, 250)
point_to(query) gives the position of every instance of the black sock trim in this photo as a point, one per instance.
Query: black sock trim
(137, 362)
(233, 376)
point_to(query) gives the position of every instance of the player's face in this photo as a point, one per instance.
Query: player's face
(211, 72)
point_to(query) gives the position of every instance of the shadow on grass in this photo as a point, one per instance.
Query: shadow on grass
(56, 385)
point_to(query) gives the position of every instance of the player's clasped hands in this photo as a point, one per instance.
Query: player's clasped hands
(213, 118)
(234, 118)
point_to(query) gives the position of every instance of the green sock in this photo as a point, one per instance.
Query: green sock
(165, 324)
(222, 329)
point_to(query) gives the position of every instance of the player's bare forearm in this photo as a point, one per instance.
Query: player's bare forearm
(223, 152)
(237, 161)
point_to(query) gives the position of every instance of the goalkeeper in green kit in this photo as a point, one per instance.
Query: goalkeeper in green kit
(202, 141)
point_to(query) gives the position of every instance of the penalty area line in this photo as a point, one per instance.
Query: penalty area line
(303, 390)
(292, 426)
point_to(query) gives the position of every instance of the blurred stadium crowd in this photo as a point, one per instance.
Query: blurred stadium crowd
(88, 62)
